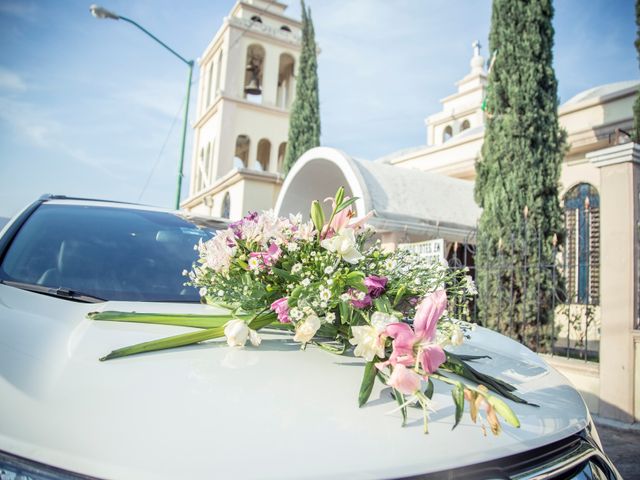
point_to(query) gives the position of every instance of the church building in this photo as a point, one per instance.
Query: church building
(246, 89)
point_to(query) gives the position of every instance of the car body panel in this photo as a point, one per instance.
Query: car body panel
(212, 410)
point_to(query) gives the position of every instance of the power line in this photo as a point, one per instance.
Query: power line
(164, 144)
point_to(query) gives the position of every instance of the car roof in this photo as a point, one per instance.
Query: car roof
(95, 202)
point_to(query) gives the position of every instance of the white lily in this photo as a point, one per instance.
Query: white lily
(368, 339)
(344, 244)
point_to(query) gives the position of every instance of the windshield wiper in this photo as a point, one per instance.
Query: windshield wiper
(59, 292)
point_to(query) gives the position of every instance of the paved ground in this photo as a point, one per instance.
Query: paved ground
(623, 448)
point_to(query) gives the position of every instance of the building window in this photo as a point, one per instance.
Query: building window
(226, 206)
(253, 73)
(285, 81)
(447, 134)
(285, 28)
(256, 19)
(241, 157)
(465, 126)
(582, 247)
(282, 150)
(209, 83)
(219, 73)
(264, 153)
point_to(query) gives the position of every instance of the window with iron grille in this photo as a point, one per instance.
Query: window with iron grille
(582, 247)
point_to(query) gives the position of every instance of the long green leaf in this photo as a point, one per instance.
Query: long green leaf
(346, 204)
(458, 399)
(183, 320)
(459, 367)
(368, 379)
(168, 342)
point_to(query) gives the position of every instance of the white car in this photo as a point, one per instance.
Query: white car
(210, 411)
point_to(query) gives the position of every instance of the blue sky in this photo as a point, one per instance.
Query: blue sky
(92, 107)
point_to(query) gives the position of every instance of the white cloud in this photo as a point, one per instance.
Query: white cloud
(21, 9)
(11, 81)
(39, 129)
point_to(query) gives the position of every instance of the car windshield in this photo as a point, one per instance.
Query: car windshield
(113, 253)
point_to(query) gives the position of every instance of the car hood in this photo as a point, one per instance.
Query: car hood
(211, 410)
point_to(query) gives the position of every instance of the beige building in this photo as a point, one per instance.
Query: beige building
(246, 88)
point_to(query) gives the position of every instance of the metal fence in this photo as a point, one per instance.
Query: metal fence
(572, 309)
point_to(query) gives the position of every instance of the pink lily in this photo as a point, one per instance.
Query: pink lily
(342, 219)
(404, 379)
(270, 256)
(419, 341)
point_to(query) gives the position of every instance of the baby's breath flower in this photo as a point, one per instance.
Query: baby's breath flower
(305, 282)
(330, 317)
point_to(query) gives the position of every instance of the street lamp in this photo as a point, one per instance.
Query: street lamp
(103, 13)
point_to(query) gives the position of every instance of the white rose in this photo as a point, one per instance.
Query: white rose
(307, 329)
(237, 333)
(344, 244)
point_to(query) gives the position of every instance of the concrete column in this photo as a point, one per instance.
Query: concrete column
(619, 187)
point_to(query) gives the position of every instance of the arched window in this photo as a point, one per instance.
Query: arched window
(209, 166)
(282, 150)
(465, 125)
(256, 19)
(241, 157)
(253, 73)
(219, 73)
(285, 81)
(447, 134)
(226, 206)
(209, 83)
(197, 181)
(582, 245)
(264, 153)
(285, 28)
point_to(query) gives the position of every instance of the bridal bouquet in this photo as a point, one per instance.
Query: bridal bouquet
(329, 284)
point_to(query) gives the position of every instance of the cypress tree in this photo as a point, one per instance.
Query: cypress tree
(518, 174)
(304, 120)
(636, 105)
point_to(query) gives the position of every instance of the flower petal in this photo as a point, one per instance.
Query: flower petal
(431, 357)
(428, 313)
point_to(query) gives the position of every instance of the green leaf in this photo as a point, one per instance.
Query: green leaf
(429, 390)
(399, 295)
(368, 379)
(456, 365)
(345, 204)
(284, 274)
(401, 402)
(295, 293)
(355, 279)
(504, 411)
(339, 196)
(458, 399)
(196, 321)
(168, 342)
(317, 215)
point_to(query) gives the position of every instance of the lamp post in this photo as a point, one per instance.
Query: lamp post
(103, 13)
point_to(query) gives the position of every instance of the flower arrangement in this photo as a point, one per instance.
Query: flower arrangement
(331, 286)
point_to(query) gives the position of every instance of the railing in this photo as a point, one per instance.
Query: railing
(560, 289)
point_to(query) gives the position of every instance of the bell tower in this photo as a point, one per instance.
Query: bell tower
(245, 91)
